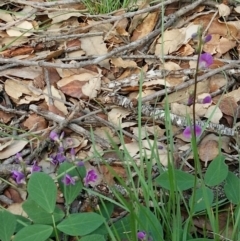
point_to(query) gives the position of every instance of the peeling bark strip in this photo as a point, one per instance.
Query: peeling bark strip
(159, 114)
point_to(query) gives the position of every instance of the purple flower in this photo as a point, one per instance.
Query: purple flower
(72, 152)
(207, 38)
(90, 177)
(19, 157)
(68, 180)
(194, 35)
(35, 167)
(207, 99)
(188, 134)
(57, 158)
(141, 235)
(190, 100)
(80, 163)
(205, 60)
(54, 136)
(18, 176)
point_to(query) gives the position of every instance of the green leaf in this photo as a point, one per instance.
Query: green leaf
(93, 237)
(42, 189)
(35, 232)
(106, 209)
(232, 188)
(21, 222)
(217, 171)
(122, 228)
(149, 223)
(80, 224)
(183, 180)
(70, 192)
(39, 215)
(7, 224)
(200, 239)
(203, 199)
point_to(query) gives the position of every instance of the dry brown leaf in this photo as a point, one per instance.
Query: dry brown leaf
(235, 94)
(182, 96)
(15, 89)
(228, 106)
(58, 105)
(13, 147)
(21, 29)
(95, 46)
(106, 133)
(116, 115)
(16, 208)
(119, 62)
(5, 117)
(58, 17)
(208, 149)
(146, 26)
(224, 46)
(180, 109)
(223, 29)
(223, 10)
(216, 82)
(14, 195)
(214, 114)
(171, 41)
(169, 65)
(36, 121)
(237, 9)
(107, 172)
(186, 50)
(92, 87)
(74, 89)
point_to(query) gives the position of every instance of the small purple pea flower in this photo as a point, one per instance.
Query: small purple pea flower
(72, 152)
(205, 60)
(18, 177)
(68, 180)
(207, 38)
(207, 99)
(54, 136)
(35, 167)
(141, 235)
(80, 163)
(90, 177)
(188, 134)
(19, 157)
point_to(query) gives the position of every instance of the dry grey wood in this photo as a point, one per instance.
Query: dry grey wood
(159, 114)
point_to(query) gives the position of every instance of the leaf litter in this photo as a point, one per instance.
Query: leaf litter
(63, 68)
